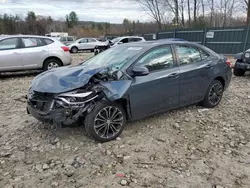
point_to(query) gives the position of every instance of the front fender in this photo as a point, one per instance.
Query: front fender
(238, 56)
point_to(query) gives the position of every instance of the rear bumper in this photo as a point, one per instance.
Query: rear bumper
(228, 78)
(66, 58)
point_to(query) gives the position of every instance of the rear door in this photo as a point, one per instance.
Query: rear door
(196, 69)
(92, 43)
(83, 44)
(10, 58)
(34, 52)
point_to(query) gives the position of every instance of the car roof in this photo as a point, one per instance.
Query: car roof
(11, 36)
(154, 43)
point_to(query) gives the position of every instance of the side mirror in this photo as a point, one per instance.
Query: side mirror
(120, 42)
(140, 71)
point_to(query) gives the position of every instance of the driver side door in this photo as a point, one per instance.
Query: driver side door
(159, 90)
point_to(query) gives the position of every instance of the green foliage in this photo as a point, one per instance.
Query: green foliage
(72, 19)
(31, 16)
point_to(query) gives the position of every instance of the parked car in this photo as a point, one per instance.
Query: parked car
(129, 82)
(125, 39)
(24, 52)
(67, 40)
(242, 63)
(87, 44)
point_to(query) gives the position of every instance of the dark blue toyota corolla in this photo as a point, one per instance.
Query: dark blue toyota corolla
(128, 82)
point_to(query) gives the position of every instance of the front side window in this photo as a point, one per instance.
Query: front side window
(188, 54)
(125, 40)
(84, 41)
(157, 59)
(8, 44)
(32, 42)
(135, 39)
(70, 39)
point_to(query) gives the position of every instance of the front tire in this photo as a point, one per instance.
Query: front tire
(238, 72)
(214, 94)
(105, 122)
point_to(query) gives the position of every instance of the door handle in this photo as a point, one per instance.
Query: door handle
(173, 75)
(15, 53)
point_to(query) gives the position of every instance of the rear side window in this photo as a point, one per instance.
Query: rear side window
(48, 41)
(188, 54)
(32, 42)
(62, 39)
(70, 39)
(8, 44)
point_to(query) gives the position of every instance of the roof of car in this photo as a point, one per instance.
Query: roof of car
(10, 36)
(156, 43)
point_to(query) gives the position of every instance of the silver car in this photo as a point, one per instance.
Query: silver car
(25, 52)
(87, 44)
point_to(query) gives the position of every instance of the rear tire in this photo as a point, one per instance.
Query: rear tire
(238, 72)
(51, 63)
(105, 122)
(74, 49)
(214, 94)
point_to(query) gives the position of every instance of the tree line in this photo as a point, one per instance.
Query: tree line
(165, 14)
(197, 13)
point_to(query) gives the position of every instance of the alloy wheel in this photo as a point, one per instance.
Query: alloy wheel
(108, 122)
(53, 65)
(215, 93)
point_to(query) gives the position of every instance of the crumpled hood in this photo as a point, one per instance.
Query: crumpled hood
(64, 79)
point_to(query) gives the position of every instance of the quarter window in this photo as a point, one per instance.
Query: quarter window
(189, 55)
(48, 41)
(9, 44)
(157, 59)
(32, 42)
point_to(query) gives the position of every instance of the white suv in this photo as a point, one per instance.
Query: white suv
(125, 39)
(24, 52)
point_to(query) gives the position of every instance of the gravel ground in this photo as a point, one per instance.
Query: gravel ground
(190, 147)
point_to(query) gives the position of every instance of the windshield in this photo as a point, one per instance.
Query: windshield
(115, 39)
(115, 58)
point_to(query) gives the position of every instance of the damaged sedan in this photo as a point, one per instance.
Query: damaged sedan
(128, 82)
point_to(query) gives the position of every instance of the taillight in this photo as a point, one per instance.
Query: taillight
(65, 48)
(228, 63)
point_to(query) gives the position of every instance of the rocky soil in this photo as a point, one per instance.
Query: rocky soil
(190, 147)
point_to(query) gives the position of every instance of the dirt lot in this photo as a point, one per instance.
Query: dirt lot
(190, 147)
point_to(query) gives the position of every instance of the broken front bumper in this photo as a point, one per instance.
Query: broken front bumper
(45, 117)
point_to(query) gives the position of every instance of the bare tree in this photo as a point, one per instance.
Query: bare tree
(155, 9)
(195, 11)
(247, 2)
(189, 13)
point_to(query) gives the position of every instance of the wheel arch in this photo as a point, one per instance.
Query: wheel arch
(221, 79)
(53, 57)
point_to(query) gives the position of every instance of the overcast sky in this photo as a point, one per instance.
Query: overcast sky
(113, 11)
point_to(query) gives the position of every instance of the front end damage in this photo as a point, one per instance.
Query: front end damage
(70, 107)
